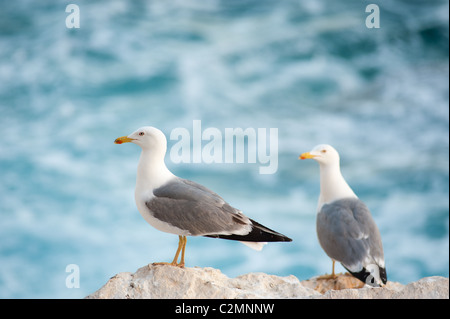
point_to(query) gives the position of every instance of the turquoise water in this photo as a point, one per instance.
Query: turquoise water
(311, 69)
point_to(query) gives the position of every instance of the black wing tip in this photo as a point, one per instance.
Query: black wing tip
(252, 238)
(259, 233)
(383, 275)
(281, 237)
(273, 238)
(267, 232)
(365, 276)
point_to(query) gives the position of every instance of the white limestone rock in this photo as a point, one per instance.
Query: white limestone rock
(168, 282)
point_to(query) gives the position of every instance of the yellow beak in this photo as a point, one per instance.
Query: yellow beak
(306, 155)
(123, 139)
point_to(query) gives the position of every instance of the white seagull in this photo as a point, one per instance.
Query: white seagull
(183, 207)
(345, 227)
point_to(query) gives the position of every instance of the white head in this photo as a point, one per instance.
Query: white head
(324, 154)
(332, 185)
(148, 138)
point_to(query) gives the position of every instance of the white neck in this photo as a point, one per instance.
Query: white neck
(152, 171)
(333, 185)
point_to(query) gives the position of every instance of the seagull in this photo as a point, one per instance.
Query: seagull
(185, 208)
(345, 227)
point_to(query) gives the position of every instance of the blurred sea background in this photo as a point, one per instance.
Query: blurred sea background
(310, 68)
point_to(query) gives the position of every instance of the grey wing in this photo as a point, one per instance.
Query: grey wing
(348, 234)
(193, 207)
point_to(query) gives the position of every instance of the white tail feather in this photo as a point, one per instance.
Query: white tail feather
(254, 245)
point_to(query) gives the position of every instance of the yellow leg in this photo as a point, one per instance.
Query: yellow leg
(181, 247)
(332, 276)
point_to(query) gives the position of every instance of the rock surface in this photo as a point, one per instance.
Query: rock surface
(168, 282)
(163, 281)
(342, 281)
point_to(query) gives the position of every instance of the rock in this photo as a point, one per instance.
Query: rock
(342, 281)
(386, 292)
(164, 281)
(425, 288)
(260, 285)
(168, 282)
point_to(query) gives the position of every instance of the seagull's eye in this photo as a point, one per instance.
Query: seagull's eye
(324, 151)
(141, 133)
